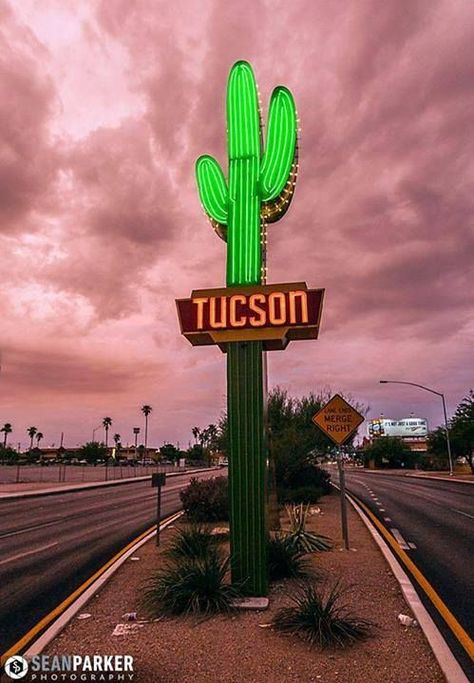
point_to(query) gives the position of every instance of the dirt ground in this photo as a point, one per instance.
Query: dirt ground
(237, 649)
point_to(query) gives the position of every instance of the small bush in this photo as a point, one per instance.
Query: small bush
(302, 494)
(308, 476)
(206, 500)
(193, 542)
(191, 587)
(285, 560)
(319, 618)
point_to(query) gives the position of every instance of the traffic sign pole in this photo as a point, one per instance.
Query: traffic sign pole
(342, 487)
(339, 420)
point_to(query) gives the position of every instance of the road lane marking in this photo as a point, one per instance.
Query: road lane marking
(387, 519)
(382, 510)
(28, 552)
(46, 620)
(454, 625)
(412, 545)
(462, 513)
(400, 540)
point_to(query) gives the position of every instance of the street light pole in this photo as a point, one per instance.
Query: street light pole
(438, 393)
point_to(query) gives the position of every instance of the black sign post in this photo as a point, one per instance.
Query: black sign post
(158, 479)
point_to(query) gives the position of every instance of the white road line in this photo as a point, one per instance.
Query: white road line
(462, 513)
(387, 519)
(412, 545)
(400, 540)
(382, 509)
(28, 552)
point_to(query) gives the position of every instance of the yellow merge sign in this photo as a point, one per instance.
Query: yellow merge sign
(338, 419)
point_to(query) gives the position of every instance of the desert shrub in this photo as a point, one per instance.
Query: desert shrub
(191, 587)
(304, 540)
(192, 542)
(206, 500)
(301, 494)
(308, 476)
(320, 617)
(285, 560)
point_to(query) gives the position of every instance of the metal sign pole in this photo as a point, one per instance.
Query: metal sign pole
(158, 515)
(158, 479)
(342, 486)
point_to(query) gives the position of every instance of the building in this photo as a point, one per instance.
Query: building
(413, 430)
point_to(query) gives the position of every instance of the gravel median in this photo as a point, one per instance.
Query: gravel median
(237, 649)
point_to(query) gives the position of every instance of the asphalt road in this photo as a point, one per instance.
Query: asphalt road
(433, 521)
(49, 545)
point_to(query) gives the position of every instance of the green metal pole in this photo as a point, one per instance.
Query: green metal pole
(247, 467)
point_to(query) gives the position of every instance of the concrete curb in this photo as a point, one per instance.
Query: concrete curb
(94, 485)
(59, 624)
(426, 477)
(448, 479)
(445, 658)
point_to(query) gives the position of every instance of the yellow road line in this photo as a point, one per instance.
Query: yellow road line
(447, 615)
(37, 628)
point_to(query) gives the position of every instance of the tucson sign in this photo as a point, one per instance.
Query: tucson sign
(273, 314)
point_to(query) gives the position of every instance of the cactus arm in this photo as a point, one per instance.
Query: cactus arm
(212, 188)
(244, 256)
(243, 113)
(280, 145)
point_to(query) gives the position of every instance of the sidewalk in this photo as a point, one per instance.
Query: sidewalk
(238, 649)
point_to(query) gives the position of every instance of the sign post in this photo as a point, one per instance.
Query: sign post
(339, 420)
(158, 479)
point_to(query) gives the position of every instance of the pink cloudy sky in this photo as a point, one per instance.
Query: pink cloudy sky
(104, 106)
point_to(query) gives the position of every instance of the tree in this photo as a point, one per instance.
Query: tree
(169, 452)
(39, 436)
(31, 431)
(146, 410)
(461, 433)
(107, 423)
(390, 452)
(93, 451)
(295, 443)
(6, 429)
(196, 433)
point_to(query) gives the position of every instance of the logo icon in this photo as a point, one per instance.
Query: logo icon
(16, 667)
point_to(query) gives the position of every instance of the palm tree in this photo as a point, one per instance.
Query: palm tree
(107, 422)
(146, 410)
(31, 431)
(6, 429)
(196, 433)
(39, 436)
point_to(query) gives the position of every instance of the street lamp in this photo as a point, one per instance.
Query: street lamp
(94, 431)
(136, 431)
(438, 393)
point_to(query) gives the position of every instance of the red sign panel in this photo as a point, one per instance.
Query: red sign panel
(273, 314)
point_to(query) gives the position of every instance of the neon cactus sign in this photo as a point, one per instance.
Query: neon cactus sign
(249, 316)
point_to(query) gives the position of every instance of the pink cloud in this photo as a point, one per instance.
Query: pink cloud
(102, 115)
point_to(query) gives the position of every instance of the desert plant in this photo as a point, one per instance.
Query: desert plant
(285, 560)
(192, 542)
(320, 618)
(306, 541)
(191, 587)
(206, 500)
